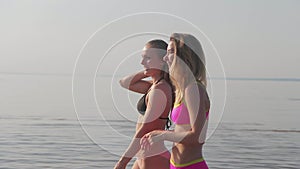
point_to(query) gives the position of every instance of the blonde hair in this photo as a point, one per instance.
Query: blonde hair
(188, 64)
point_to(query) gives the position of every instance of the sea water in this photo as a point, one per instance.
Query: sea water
(40, 128)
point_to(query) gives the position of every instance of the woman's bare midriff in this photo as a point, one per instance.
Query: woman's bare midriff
(187, 153)
(157, 157)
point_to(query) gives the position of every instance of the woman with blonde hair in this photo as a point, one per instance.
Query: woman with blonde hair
(186, 62)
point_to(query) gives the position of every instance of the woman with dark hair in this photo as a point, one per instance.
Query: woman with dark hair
(154, 107)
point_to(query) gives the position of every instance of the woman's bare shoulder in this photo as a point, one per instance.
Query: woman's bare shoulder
(196, 88)
(163, 85)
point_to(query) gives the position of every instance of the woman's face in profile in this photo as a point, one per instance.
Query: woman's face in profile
(150, 59)
(170, 53)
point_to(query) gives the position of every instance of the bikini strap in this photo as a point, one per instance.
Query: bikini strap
(168, 122)
(159, 80)
(154, 83)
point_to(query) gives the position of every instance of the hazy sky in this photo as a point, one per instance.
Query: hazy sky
(255, 38)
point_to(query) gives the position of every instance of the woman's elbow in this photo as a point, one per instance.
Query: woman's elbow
(122, 83)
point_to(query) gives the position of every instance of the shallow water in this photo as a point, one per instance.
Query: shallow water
(33, 142)
(40, 129)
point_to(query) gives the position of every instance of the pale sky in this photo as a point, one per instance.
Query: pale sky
(254, 38)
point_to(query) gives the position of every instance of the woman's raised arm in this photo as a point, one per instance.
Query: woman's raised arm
(136, 83)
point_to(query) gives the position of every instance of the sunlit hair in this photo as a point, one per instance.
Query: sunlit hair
(188, 64)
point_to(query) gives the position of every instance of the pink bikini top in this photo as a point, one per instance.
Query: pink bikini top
(180, 114)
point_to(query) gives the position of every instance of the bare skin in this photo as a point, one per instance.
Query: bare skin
(187, 146)
(159, 104)
(188, 138)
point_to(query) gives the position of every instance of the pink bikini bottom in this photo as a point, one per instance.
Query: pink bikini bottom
(195, 164)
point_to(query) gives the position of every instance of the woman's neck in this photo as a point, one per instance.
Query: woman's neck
(156, 78)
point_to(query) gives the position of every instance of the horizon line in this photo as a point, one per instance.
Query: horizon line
(212, 78)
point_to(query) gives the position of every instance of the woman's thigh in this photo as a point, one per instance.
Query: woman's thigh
(155, 162)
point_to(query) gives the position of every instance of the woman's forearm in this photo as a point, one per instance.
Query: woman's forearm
(186, 137)
(129, 80)
(135, 146)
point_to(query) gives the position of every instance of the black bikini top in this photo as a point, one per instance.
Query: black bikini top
(142, 106)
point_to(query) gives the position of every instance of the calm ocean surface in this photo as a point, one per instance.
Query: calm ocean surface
(39, 127)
